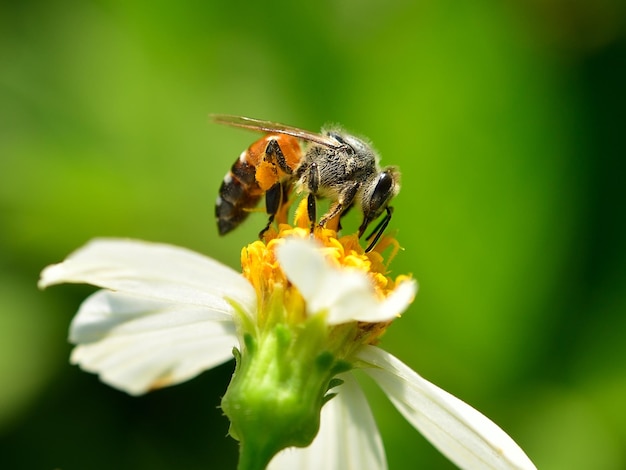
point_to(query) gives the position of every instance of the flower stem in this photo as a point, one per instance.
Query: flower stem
(252, 459)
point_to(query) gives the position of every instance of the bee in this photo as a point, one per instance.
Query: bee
(332, 164)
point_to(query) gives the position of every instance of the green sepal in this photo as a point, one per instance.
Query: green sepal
(281, 381)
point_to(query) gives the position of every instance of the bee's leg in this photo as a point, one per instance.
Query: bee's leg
(274, 154)
(282, 214)
(313, 182)
(311, 209)
(345, 200)
(345, 211)
(273, 201)
(378, 230)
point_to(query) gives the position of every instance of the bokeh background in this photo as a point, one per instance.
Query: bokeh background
(506, 118)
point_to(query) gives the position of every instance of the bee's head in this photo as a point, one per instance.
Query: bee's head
(378, 192)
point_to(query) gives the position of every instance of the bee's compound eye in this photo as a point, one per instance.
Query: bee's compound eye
(385, 182)
(383, 191)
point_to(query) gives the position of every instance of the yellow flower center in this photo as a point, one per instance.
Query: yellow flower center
(262, 269)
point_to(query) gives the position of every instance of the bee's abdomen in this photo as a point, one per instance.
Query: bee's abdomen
(239, 193)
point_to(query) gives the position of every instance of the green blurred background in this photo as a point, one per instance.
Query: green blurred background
(506, 118)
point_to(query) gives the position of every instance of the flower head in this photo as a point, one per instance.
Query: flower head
(304, 314)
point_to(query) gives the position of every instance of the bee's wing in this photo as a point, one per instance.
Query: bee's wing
(274, 127)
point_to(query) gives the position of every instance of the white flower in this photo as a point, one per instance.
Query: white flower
(165, 314)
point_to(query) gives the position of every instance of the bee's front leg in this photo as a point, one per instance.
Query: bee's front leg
(378, 231)
(344, 201)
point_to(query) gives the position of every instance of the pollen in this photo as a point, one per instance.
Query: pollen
(266, 175)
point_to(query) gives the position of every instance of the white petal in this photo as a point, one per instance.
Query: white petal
(345, 294)
(348, 437)
(153, 270)
(465, 436)
(137, 344)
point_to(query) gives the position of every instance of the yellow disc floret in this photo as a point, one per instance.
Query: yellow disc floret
(262, 269)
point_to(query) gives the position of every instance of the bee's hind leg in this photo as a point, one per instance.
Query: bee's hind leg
(273, 201)
(274, 154)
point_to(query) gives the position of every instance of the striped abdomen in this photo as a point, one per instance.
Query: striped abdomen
(252, 174)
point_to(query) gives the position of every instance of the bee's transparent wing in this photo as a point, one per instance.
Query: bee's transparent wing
(274, 127)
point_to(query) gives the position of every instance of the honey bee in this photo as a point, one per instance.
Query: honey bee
(332, 164)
